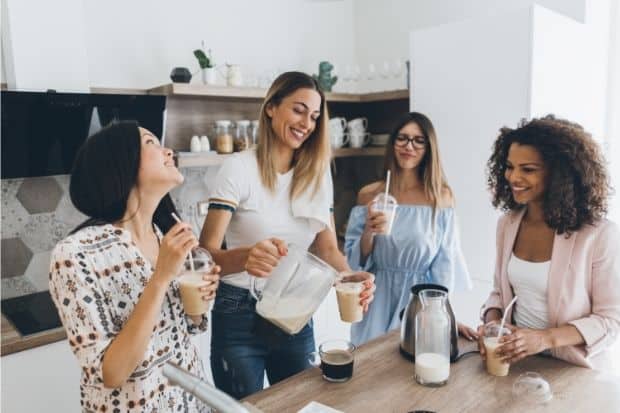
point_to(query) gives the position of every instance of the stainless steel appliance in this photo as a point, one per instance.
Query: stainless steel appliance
(407, 327)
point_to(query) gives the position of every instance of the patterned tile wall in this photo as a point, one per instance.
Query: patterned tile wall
(37, 213)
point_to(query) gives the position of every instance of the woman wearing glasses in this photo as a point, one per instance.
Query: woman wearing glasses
(423, 244)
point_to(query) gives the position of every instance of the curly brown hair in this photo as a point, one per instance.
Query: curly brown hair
(577, 184)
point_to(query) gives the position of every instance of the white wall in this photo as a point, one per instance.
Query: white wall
(470, 78)
(44, 379)
(137, 43)
(43, 43)
(570, 61)
(612, 142)
(382, 28)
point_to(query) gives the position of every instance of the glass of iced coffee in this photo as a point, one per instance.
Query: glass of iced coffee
(348, 289)
(191, 281)
(495, 365)
(388, 206)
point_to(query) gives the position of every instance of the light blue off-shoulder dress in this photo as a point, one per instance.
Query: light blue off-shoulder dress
(418, 250)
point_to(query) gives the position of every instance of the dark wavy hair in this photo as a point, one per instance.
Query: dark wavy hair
(577, 184)
(104, 173)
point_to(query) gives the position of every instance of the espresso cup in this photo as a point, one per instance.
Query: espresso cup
(335, 359)
(358, 140)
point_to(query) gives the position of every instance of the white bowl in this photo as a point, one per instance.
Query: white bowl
(379, 139)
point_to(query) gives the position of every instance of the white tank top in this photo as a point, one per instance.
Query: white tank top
(529, 282)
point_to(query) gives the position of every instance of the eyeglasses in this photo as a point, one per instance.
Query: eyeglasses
(418, 142)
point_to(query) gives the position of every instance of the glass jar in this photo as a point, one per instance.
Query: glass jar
(254, 132)
(223, 137)
(242, 140)
(432, 339)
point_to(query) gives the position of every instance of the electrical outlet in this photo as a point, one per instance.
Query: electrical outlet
(202, 207)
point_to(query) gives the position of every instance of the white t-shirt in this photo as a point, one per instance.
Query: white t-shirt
(259, 214)
(529, 282)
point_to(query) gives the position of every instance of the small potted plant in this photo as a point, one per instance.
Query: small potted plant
(206, 65)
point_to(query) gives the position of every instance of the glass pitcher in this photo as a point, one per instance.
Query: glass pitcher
(296, 287)
(432, 339)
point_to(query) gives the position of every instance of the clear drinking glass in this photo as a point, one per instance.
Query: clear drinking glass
(432, 339)
(190, 281)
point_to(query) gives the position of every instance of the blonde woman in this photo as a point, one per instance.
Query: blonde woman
(262, 200)
(423, 245)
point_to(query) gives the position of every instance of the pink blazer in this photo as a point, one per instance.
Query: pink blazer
(583, 287)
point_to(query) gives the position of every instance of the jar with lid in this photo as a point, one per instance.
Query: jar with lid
(223, 137)
(242, 140)
(254, 132)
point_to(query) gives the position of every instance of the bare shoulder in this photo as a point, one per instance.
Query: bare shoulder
(367, 193)
(447, 198)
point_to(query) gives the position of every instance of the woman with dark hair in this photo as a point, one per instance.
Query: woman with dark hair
(555, 249)
(113, 279)
(263, 199)
(423, 245)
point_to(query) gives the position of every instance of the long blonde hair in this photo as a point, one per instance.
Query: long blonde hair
(311, 160)
(430, 170)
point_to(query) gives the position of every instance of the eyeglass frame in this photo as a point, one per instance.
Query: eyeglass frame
(398, 141)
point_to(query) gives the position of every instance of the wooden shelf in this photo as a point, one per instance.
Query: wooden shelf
(203, 159)
(118, 91)
(187, 89)
(249, 93)
(351, 152)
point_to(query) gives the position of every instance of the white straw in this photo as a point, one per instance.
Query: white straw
(189, 256)
(387, 190)
(501, 326)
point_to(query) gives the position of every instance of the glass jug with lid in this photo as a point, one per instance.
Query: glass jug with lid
(432, 339)
(296, 287)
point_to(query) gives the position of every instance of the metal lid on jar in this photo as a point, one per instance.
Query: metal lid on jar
(222, 123)
(243, 123)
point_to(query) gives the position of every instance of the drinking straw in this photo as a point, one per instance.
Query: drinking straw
(501, 326)
(387, 190)
(189, 255)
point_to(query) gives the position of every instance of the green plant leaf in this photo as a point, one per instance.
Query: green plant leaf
(203, 60)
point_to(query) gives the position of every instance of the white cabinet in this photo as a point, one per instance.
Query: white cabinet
(43, 379)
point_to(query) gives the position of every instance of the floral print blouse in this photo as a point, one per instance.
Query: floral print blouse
(96, 278)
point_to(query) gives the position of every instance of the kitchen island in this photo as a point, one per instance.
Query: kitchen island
(383, 382)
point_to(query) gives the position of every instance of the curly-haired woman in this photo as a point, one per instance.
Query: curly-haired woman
(555, 249)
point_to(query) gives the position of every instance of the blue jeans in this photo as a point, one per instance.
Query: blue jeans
(244, 345)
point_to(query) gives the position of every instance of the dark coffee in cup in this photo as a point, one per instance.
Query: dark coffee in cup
(337, 365)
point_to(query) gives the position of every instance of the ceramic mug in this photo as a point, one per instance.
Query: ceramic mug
(338, 139)
(358, 140)
(337, 125)
(357, 125)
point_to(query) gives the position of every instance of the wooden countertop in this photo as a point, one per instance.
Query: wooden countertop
(12, 341)
(383, 382)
